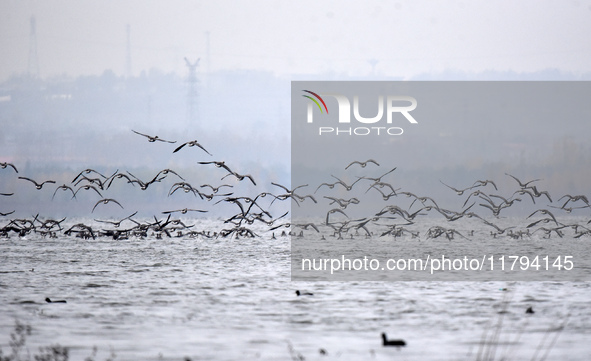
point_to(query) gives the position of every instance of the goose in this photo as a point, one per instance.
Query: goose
(105, 201)
(458, 191)
(483, 183)
(86, 187)
(192, 143)
(48, 300)
(88, 171)
(154, 138)
(241, 177)
(521, 184)
(37, 185)
(362, 164)
(216, 189)
(184, 211)
(5, 164)
(298, 293)
(64, 187)
(387, 342)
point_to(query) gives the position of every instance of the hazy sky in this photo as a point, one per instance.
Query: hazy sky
(297, 37)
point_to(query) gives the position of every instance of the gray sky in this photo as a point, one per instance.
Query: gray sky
(298, 37)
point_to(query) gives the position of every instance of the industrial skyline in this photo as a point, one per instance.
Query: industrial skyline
(391, 39)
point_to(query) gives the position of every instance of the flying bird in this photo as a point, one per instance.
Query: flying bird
(241, 177)
(458, 191)
(166, 171)
(154, 138)
(544, 211)
(483, 183)
(184, 211)
(5, 164)
(37, 185)
(521, 184)
(192, 143)
(216, 189)
(219, 164)
(87, 187)
(574, 199)
(88, 171)
(362, 164)
(116, 224)
(64, 188)
(334, 210)
(105, 201)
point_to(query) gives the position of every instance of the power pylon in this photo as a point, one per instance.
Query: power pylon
(192, 90)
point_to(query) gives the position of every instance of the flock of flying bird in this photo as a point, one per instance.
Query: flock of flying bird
(480, 202)
(390, 218)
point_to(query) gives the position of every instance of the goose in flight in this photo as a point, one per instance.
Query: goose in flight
(64, 188)
(6, 164)
(458, 191)
(335, 210)
(219, 164)
(88, 171)
(166, 171)
(241, 177)
(347, 187)
(522, 184)
(483, 183)
(192, 143)
(362, 164)
(154, 138)
(184, 211)
(117, 224)
(574, 199)
(37, 185)
(105, 201)
(216, 189)
(544, 211)
(87, 187)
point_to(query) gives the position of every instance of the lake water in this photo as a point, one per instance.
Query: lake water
(233, 299)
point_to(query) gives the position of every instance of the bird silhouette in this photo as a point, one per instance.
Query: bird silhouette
(48, 300)
(192, 143)
(362, 164)
(106, 201)
(154, 138)
(386, 342)
(37, 185)
(6, 164)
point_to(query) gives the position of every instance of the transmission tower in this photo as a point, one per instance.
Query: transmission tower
(33, 64)
(128, 53)
(192, 91)
(208, 59)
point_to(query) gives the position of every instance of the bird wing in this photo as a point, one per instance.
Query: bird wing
(145, 135)
(200, 146)
(179, 147)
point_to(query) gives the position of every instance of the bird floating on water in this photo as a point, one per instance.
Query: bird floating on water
(48, 300)
(387, 342)
(303, 293)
